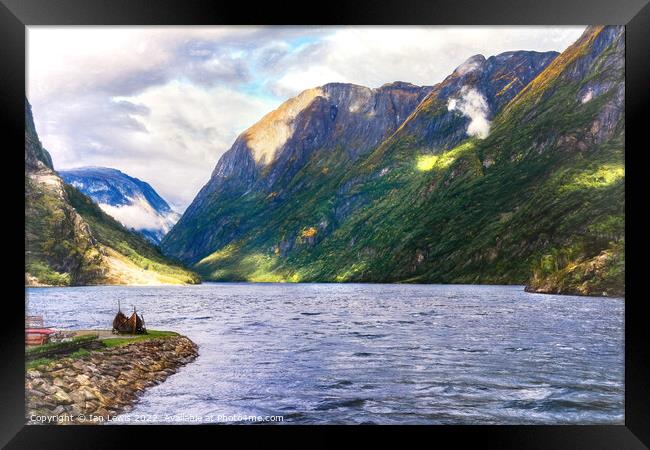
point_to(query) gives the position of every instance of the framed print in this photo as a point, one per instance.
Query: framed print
(394, 217)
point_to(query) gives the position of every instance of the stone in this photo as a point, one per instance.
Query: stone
(88, 394)
(47, 388)
(36, 382)
(77, 397)
(60, 382)
(101, 412)
(76, 410)
(83, 380)
(57, 373)
(43, 403)
(108, 382)
(34, 393)
(61, 397)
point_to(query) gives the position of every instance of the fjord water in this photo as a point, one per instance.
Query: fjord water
(371, 353)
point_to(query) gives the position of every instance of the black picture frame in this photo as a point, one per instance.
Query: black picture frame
(15, 15)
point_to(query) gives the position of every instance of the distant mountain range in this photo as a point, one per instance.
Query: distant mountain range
(508, 171)
(69, 240)
(132, 202)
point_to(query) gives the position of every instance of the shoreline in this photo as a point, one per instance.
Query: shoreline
(98, 386)
(525, 287)
(547, 290)
(108, 284)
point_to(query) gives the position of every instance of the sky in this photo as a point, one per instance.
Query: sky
(164, 103)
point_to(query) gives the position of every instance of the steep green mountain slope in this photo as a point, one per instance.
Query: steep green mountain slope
(537, 194)
(70, 241)
(546, 185)
(290, 168)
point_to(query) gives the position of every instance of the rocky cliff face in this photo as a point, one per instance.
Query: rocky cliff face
(468, 99)
(266, 158)
(59, 246)
(318, 119)
(130, 201)
(509, 159)
(36, 157)
(70, 241)
(336, 124)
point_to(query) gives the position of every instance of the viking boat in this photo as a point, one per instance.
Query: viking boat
(132, 325)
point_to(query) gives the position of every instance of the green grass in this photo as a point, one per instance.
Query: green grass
(45, 274)
(151, 334)
(75, 343)
(40, 362)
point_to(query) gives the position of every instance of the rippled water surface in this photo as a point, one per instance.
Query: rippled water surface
(370, 353)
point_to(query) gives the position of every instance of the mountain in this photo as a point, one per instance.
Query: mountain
(341, 121)
(324, 132)
(69, 240)
(37, 159)
(132, 202)
(508, 171)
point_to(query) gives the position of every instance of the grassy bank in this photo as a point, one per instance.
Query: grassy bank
(82, 345)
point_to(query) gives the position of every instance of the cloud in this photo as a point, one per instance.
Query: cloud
(169, 135)
(188, 123)
(300, 80)
(472, 105)
(164, 103)
(140, 215)
(375, 55)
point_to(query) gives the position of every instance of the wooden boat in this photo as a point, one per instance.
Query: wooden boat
(132, 325)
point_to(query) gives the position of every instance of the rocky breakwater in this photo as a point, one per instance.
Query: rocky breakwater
(96, 387)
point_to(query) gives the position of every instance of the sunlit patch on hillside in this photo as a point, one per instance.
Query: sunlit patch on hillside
(218, 256)
(350, 271)
(267, 136)
(426, 163)
(123, 270)
(604, 176)
(255, 268)
(259, 268)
